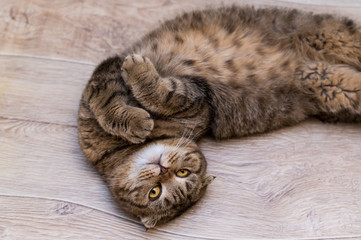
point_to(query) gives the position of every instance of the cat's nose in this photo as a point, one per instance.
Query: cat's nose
(163, 170)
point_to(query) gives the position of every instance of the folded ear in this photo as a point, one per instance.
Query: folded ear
(149, 221)
(207, 179)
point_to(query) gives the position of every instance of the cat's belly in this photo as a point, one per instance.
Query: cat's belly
(235, 59)
(255, 76)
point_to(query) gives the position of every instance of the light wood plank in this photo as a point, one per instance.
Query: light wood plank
(45, 160)
(44, 219)
(89, 31)
(42, 90)
(302, 181)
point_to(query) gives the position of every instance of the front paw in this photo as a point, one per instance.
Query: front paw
(130, 123)
(139, 127)
(136, 68)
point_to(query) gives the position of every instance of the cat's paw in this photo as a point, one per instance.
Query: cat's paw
(140, 125)
(131, 123)
(310, 77)
(137, 68)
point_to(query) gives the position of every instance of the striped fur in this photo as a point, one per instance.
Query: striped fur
(228, 72)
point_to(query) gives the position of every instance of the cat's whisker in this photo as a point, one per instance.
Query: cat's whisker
(180, 139)
(192, 137)
(185, 140)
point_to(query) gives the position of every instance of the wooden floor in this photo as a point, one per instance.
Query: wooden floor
(302, 182)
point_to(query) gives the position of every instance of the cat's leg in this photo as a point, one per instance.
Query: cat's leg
(335, 88)
(113, 106)
(334, 42)
(179, 103)
(167, 96)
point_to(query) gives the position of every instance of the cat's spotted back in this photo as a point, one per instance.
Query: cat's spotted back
(229, 72)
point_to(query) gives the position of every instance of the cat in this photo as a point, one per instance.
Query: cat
(226, 72)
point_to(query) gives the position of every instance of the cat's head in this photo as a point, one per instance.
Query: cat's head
(160, 181)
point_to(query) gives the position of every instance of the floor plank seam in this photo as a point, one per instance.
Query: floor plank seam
(321, 5)
(330, 238)
(36, 121)
(105, 212)
(47, 58)
(170, 232)
(67, 201)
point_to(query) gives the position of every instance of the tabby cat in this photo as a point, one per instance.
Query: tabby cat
(226, 72)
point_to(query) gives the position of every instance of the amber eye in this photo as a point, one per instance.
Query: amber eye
(155, 192)
(183, 173)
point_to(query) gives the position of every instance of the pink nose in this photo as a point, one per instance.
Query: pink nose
(163, 170)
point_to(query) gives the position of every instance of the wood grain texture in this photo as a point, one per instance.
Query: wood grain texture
(302, 182)
(88, 31)
(43, 219)
(43, 90)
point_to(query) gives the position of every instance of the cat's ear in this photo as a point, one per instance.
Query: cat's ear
(148, 221)
(207, 179)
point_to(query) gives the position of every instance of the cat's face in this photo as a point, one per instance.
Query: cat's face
(161, 180)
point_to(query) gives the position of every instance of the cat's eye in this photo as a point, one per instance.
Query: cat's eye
(183, 173)
(155, 192)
